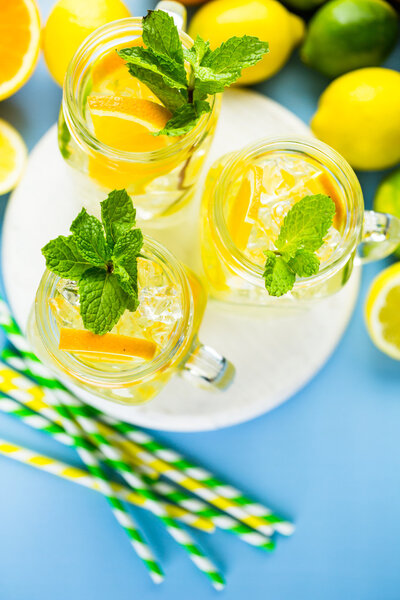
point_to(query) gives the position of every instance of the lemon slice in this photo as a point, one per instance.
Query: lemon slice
(13, 154)
(85, 342)
(128, 123)
(244, 210)
(382, 311)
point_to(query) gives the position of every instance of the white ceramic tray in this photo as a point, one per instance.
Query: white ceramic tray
(274, 357)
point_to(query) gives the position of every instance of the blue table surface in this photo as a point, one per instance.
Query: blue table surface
(329, 458)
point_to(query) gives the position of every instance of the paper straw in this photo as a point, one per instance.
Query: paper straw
(71, 473)
(32, 397)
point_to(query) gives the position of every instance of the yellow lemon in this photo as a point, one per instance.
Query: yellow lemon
(13, 156)
(359, 116)
(382, 312)
(266, 19)
(69, 23)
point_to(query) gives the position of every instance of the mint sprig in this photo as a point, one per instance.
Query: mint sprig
(101, 257)
(301, 235)
(183, 79)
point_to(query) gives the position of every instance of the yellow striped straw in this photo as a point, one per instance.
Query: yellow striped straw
(66, 471)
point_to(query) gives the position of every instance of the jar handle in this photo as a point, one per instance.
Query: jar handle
(176, 10)
(206, 368)
(381, 236)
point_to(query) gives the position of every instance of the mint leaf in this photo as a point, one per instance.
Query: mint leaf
(197, 52)
(102, 300)
(302, 233)
(117, 215)
(89, 237)
(185, 119)
(64, 259)
(306, 224)
(235, 54)
(102, 259)
(279, 277)
(161, 66)
(170, 97)
(129, 284)
(304, 263)
(128, 246)
(173, 74)
(161, 35)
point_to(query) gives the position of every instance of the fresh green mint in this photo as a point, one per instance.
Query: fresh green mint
(301, 235)
(101, 257)
(183, 79)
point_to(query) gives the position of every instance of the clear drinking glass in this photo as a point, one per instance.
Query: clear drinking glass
(162, 181)
(291, 168)
(172, 304)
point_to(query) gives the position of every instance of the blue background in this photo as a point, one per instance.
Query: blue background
(329, 458)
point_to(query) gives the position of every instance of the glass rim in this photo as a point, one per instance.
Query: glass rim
(47, 327)
(73, 114)
(318, 151)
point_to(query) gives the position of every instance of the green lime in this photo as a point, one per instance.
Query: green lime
(387, 197)
(349, 34)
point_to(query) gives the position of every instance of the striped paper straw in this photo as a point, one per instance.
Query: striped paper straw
(196, 473)
(32, 398)
(82, 477)
(37, 421)
(115, 455)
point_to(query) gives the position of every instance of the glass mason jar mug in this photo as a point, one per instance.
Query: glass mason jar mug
(172, 304)
(247, 195)
(161, 178)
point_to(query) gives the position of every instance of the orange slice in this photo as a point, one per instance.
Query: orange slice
(324, 183)
(19, 43)
(128, 123)
(85, 342)
(244, 210)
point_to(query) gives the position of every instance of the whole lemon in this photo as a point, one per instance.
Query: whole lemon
(359, 115)
(266, 19)
(349, 34)
(69, 23)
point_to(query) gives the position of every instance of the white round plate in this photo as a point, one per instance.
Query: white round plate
(274, 357)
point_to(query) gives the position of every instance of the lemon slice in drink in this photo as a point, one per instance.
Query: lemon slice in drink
(382, 312)
(13, 154)
(244, 209)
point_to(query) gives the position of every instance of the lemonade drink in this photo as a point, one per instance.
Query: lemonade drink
(133, 362)
(106, 127)
(246, 199)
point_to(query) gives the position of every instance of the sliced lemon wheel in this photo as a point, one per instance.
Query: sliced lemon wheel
(13, 154)
(128, 123)
(19, 43)
(110, 344)
(382, 311)
(244, 210)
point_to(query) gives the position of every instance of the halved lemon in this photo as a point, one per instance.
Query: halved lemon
(13, 155)
(382, 311)
(19, 43)
(244, 209)
(127, 123)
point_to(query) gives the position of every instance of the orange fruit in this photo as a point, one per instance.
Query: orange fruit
(127, 123)
(19, 43)
(85, 342)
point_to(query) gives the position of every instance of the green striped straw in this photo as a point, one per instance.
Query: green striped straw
(116, 458)
(68, 415)
(178, 462)
(32, 419)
